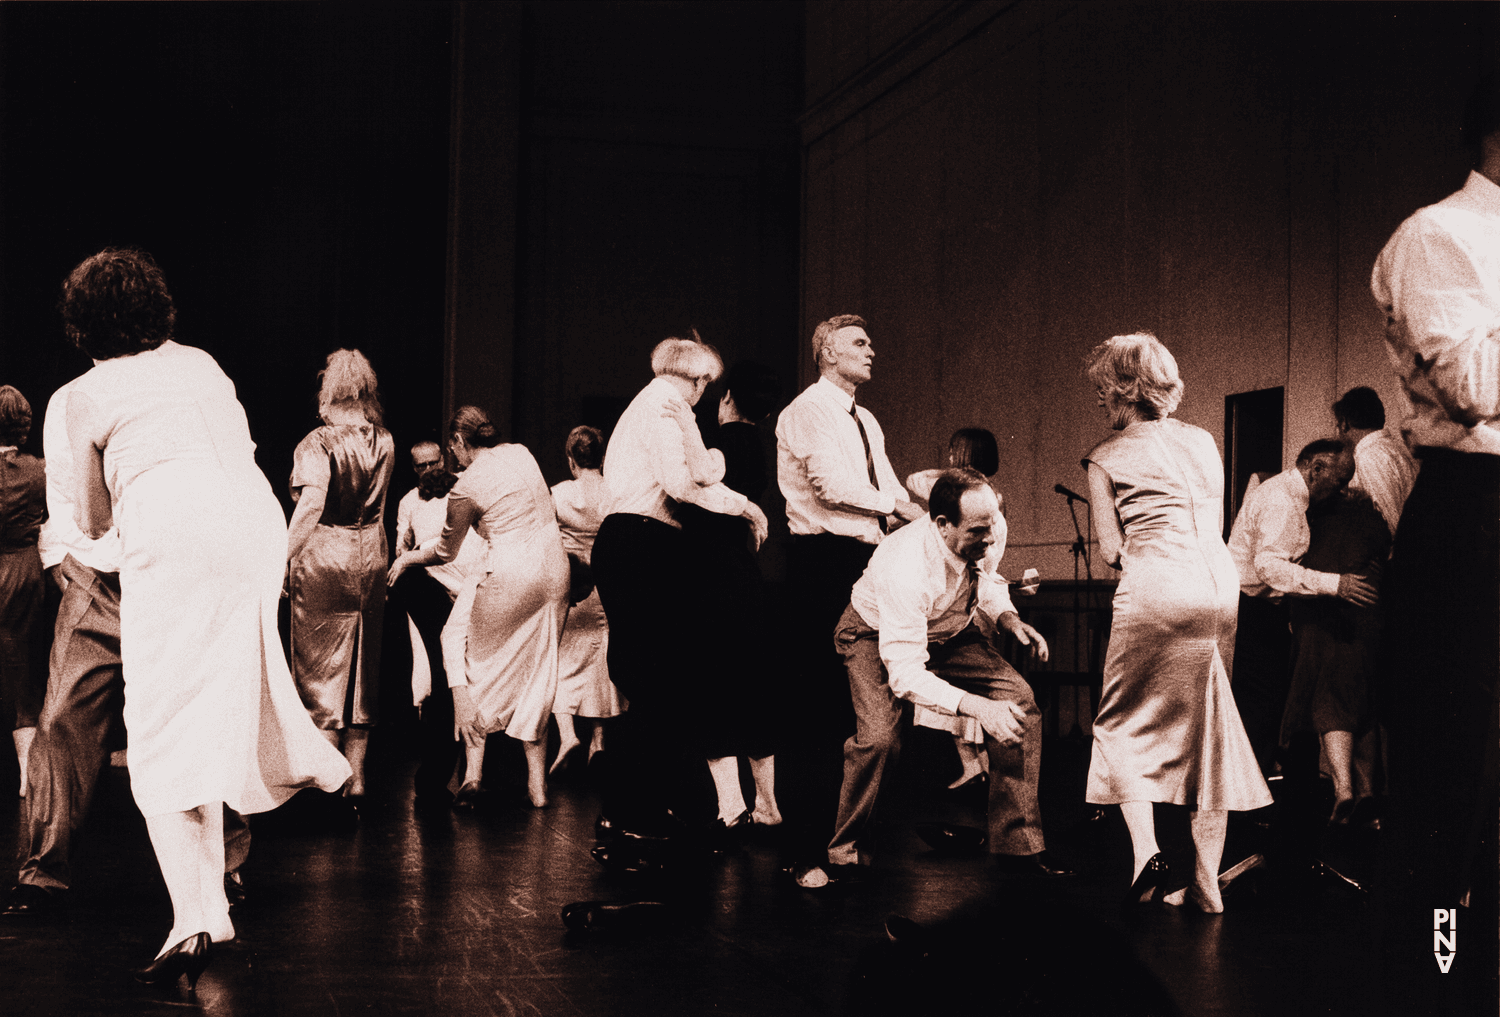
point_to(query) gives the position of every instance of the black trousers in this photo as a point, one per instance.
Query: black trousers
(642, 572)
(427, 602)
(1436, 693)
(821, 571)
(1262, 675)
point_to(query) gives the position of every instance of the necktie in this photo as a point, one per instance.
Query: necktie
(972, 572)
(869, 456)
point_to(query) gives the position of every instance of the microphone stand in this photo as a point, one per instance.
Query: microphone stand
(1080, 551)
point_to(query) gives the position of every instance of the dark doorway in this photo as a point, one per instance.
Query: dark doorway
(1252, 443)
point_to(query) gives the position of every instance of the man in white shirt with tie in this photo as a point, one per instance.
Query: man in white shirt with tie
(920, 629)
(841, 497)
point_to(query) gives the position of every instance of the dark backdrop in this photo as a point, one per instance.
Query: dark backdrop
(285, 163)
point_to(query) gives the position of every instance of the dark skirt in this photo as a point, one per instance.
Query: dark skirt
(23, 633)
(731, 670)
(1335, 643)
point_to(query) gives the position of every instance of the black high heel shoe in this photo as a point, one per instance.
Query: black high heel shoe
(188, 957)
(1152, 878)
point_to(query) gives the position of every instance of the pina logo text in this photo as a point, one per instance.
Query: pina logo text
(1444, 941)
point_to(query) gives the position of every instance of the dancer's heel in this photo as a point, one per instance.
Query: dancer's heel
(188, 957)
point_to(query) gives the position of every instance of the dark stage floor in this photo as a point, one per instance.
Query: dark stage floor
(460, 915)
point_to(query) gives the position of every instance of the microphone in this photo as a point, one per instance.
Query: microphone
(1072, 495)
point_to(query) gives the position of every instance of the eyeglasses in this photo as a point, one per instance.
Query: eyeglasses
(425, 464)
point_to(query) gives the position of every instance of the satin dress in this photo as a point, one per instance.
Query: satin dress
(583, 685)
(338, 579)
(210, 709)
(1167, 728)
(503, 632)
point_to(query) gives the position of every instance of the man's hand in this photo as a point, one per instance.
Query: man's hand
(760, 526)
(1001, 719)
(1358, 590)
(908, 511)
(1011, 622)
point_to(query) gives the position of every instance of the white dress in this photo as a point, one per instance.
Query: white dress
(210, 709)
(501, 637)
(583, 685)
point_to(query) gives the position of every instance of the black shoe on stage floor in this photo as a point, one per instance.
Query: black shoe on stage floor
(951, 839)
(189, 958)
(1039, 865)
(1151, 882)
(586, 915)
(30, 901)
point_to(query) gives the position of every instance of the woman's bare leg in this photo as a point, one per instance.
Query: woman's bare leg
(186, 852)
(726, 774)
(567, 739)
(1339, 747)
(1140, 820)
(356, 741)
(536, 771)
(764, 771)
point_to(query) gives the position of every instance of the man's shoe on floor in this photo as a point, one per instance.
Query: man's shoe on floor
(29, 901)
(1038, 864)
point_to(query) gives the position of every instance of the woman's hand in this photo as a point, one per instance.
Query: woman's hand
(760, 527)
(465, 713)
(398, 566)
(680, 411)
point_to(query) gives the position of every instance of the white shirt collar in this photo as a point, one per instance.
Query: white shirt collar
(831, 391)
(1482, 192)
(954, 562)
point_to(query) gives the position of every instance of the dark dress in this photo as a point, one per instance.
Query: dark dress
(736, 705)
(338, 579)
(1336, 642)
(23, 657)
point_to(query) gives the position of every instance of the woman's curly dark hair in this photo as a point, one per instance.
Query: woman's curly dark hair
(15, 416)
(435, 483)
(116, 303)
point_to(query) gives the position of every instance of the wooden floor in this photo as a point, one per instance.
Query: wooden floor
(459, 914)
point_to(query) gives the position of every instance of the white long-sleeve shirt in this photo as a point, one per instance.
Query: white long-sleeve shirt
(821, 469)
(1437, 281)
(645, 467)
(1269, 538)
(60, 535)
(915, 591)
(1385, 470)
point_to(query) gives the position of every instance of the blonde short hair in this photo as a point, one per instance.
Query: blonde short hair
(347, 377)
(1136, 369)
(686, 358)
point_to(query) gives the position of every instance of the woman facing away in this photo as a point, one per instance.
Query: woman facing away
(500, 642)
(23, 506)
(1167, 729)
(337, 555)
(583, 685)
(164, 452)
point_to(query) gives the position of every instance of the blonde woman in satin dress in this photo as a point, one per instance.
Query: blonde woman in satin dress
(583, 685)
(337, 556)
(1167, 728)
(164, 452)
(500, 643)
